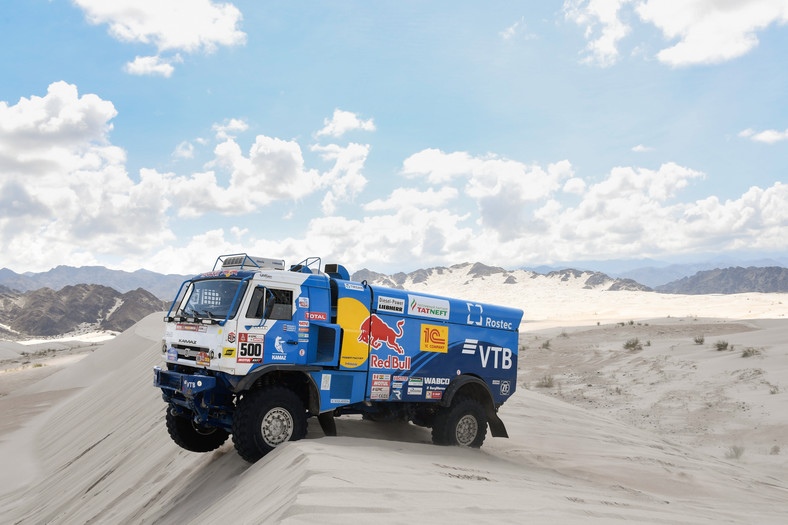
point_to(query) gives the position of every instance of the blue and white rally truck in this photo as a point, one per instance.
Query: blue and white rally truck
(253, 349)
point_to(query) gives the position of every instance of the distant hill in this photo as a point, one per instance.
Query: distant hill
(731, 280)
(454, 279)
(83, 307)
(162, 286)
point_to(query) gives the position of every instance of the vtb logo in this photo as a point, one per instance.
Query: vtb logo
(434, 338)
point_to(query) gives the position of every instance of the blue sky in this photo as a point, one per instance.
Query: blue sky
(391, 135)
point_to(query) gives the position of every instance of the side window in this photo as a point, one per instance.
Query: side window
(278, 304)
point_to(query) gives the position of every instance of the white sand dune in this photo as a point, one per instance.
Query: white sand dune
(93, 448)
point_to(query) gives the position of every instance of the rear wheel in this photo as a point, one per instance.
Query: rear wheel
(266, 418)
(191, 436)
(463, 424)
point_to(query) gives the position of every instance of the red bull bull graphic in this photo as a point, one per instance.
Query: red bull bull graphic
(375, 332)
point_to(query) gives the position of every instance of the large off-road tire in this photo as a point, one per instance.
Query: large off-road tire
(267, 418)
(191, 436)
(462, 424)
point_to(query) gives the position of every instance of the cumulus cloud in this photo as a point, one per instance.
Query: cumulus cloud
(640, 148)
(710, 31)
(65, 192)
(153, 65)
(345, 179)
(604, 28)
(769, 136)
(184, 150)
(190, 26)
(343, 121)
(413, 197)
(500, 187)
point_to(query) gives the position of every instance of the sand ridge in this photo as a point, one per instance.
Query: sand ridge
(100, 452)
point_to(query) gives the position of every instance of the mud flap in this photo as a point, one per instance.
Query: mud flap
(497, 428)
(327, 423)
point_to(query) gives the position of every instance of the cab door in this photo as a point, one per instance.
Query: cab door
(270, 332)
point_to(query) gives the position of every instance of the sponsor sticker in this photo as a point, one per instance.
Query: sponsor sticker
(289, 328)
(434, 338)
(303, 324)
(203, 359)
(391, 305)
(172, 354)
(325, 382)
(250, 351)
(414, 391)
(303, 302)
(354, 286)
(340, 401)
(428, 307)
(316, 316)
(381, 377)
(229, 351)
(191, 327)
(416, 381)
(231, 337)
(391, 362)
(505, 388)
(434, 394)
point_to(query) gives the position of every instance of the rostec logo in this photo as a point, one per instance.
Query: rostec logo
(502, 357)
(434, 338)
(428, 307)
(474, 314)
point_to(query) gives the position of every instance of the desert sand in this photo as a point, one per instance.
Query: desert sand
(671, 431)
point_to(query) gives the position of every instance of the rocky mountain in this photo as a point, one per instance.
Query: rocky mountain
(162, 286)
(79, 308)
(731, 280)
(477, 274)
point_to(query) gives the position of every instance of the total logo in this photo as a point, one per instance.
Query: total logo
(501, 357)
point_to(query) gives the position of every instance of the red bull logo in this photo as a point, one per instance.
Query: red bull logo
(375, 332)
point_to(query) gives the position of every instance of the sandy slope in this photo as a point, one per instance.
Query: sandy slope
(98, 451)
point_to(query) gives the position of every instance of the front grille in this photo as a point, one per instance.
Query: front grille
(189, 352)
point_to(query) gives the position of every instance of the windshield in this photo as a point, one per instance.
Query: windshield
(212, 298)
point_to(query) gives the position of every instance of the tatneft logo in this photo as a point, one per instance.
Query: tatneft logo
(434, 338)
(428, 307)
(502, 357)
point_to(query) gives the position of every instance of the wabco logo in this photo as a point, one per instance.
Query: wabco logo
(434, 338)
(428, 307)
(502, 357)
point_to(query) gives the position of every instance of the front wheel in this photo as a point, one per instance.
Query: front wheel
(462, 424)
(267, 418)
(191, 436)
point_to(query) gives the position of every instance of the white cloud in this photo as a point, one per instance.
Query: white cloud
(343, 121)
(640, 148)
(184, 150)
(518, 28)
(603, 27)
(187, 25)
(190, 26)
(575, 185)
(344, 179)
(229, 128)
(501, 187)
(153, 65)
(66, 197)
(769, 136)
(412, 197)
(710, 31)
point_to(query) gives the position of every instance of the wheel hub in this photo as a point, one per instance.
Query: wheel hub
(276, 426)
(467, 428)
